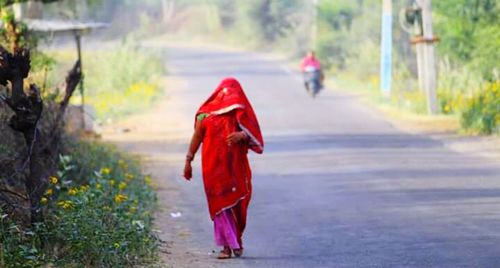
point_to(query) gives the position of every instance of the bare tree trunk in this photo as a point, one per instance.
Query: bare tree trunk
(43, 149)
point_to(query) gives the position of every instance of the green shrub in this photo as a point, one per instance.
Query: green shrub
(18, 247)
(122, 81)
(482, 112)
(455, 84)
(117, 81)
(98, 211)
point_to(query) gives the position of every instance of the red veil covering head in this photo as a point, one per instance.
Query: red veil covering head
(229, 96)
(225, 168)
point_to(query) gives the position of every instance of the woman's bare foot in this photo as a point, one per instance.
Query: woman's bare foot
(224, 254)
(238, 252)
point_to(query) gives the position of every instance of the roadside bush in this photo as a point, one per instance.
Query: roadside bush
(482, 112)
(98, 214)
(123, 80)
(113, 104)
(118, 81)
(455, 84)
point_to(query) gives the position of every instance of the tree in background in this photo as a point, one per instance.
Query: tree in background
(470, 34)
(335, 20)
(263, 20)
(348, 39)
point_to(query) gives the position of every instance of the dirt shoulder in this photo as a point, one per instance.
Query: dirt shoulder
(447, 130)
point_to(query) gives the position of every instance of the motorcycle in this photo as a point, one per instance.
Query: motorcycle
(312, 81)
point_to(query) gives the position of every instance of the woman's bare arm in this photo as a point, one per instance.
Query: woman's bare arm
(195, 141)
(193, 148)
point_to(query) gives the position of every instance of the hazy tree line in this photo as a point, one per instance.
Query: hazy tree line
(470, 33)
(346, 36)
(349, 31)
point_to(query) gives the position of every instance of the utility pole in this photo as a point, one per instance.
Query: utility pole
(426, 58)
(419, 16)
(386, 49)
(429, 60)
(416, 20)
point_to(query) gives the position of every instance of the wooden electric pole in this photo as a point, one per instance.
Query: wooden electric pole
(426, 54)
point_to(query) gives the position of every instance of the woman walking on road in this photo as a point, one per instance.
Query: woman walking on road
(227, 126)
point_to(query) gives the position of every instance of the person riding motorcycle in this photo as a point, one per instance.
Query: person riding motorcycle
(313, 75)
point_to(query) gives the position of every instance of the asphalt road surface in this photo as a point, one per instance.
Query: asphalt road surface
(337, 185)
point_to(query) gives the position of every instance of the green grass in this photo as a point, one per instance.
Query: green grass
(117, 82)
(98, 213)
(407, 100)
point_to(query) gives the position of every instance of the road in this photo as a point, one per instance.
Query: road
(337, 185)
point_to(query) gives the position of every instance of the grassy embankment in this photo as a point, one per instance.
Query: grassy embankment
(99, 205)
(119, 80)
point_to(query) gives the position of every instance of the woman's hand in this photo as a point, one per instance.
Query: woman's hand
(236, 137)
(188, 171)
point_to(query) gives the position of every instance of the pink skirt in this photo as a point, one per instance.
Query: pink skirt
(225, 231)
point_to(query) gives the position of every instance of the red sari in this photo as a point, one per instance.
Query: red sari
(226, 170)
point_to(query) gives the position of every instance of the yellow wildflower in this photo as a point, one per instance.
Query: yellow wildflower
(105, 171)
(119, 198)
(43, 200)
(148, 180)
(69, 205)
(122, 185)
(49, 191)
(447, 108)
(111, 182)
(116, 245)
(72, 191)
(98, 186)
(494, 87)
(53, 180)
(128, 176)
(122, 164)
(66, 204)
(84, 188)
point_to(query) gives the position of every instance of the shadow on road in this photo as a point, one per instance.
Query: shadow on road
(353, 141)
